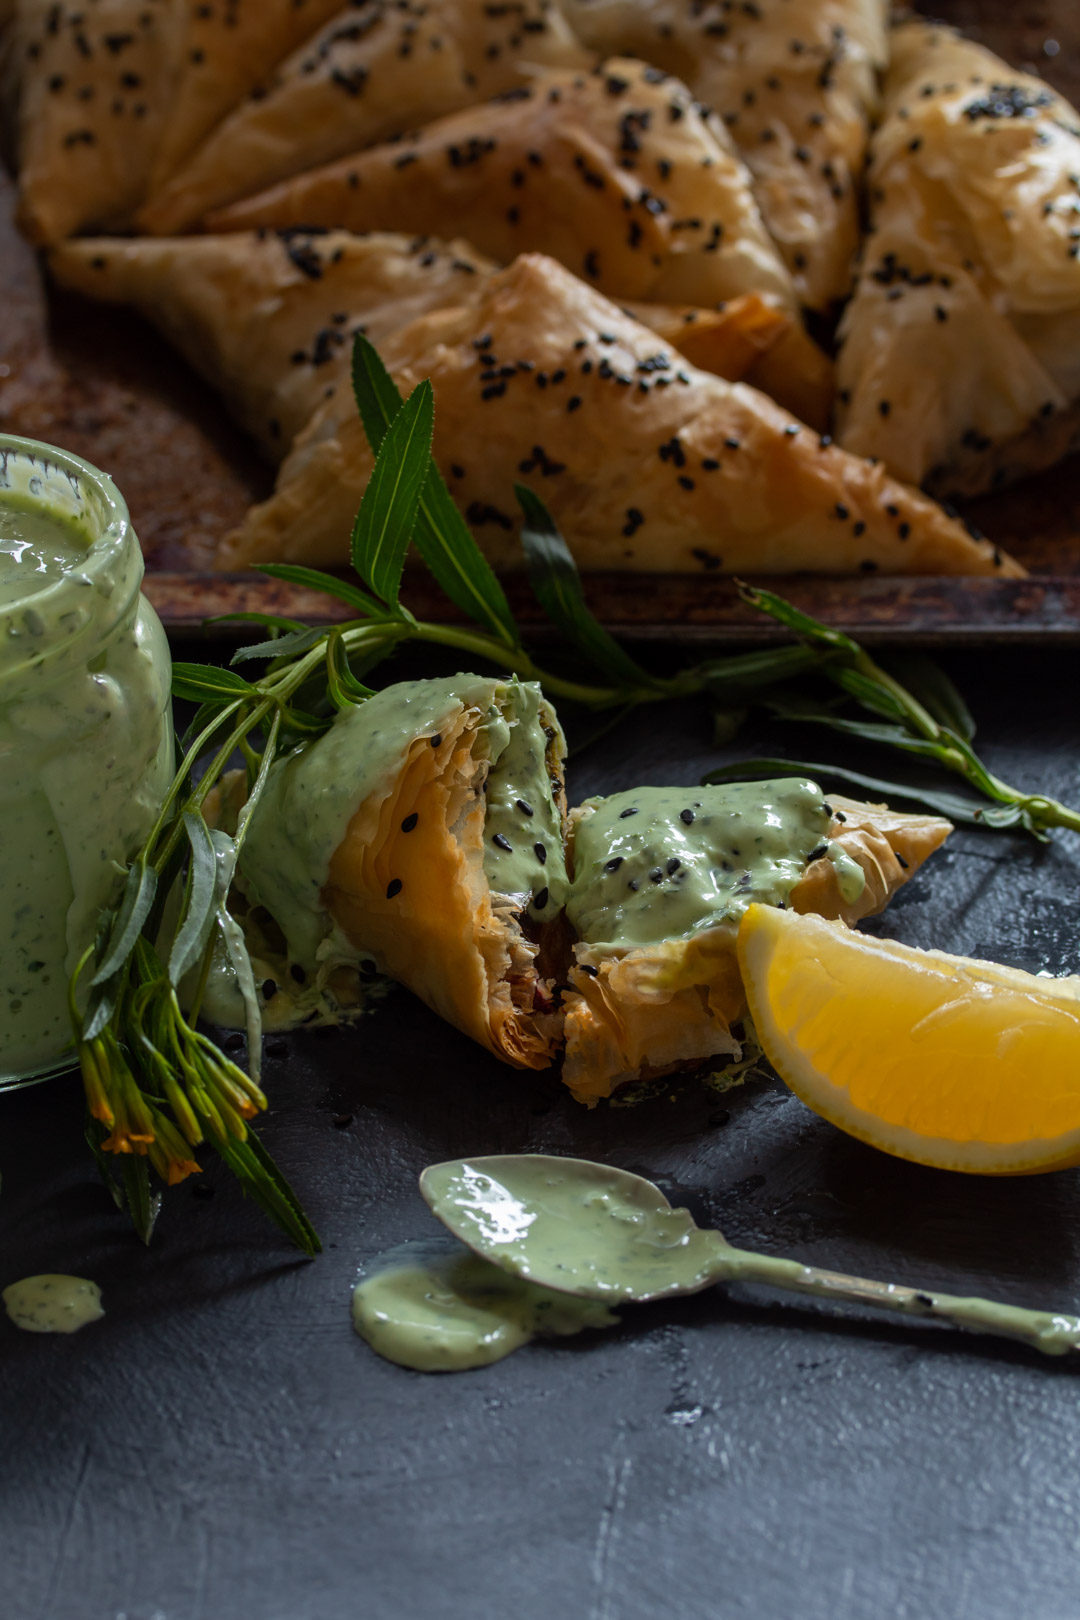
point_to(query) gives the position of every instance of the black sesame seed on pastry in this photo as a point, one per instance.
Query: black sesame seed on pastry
(424, 833)
(373, 70)
(795, 82)
(647, 463)
(617, 173)
(268, 317)
(960, 356)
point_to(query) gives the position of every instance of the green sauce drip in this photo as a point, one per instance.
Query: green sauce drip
(655, 864)
(523, 845)
(440, 1309)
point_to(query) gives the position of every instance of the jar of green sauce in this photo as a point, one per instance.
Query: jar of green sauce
(86, 749)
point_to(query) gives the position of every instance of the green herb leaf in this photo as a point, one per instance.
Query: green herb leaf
(261, 1179)
(808, 711)
(199, 900)
(801, 624)
(442, 537)
(268, 621)
(952, 805)
(387, 516)
(201, 683)
(286, 646)
(933, 689)
(313, 579)
(345, 690)
(556, 582)
(127, 1181)
(140, 887)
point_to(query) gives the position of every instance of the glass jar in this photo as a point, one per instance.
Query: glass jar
(86, 745)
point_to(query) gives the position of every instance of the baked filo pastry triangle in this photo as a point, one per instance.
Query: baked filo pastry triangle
(116, 93)
(647, 462)
(661, 879)
(617, 173)
(371, 72)
(424, 833)
(227, 49)
(796, 86)
(94, 87)
(268, 317)
(960, 351)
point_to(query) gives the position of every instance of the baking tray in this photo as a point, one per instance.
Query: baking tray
(100, 382)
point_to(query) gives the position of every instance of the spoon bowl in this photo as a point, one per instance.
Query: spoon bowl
(573, 1226)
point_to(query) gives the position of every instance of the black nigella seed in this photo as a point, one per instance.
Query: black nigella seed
(540, 899)
(656, 875)
(298, 973)
(587, 967)
(686, 817)
(673, 865)
(839, 814)
(816, 854)
(501, 841)
(410, 822)
(540, 851)
(436, 741)
(526, 809)
(905, 864)
(393, 887)
(614, 863)
(631, 812)
(269, 989)
(632, 885)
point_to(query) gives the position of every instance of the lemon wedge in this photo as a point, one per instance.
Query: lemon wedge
(949, 1061)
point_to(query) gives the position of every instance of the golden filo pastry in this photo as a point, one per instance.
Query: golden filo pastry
(225, 50)
(371, 72)
(796, 86)
(424, 834)
(661, 878)
(94, 87)
(960, 352)
(646, 462)
(268, 317)
(617, 173)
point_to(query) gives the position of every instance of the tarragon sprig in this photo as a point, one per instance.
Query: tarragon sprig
(922, 715)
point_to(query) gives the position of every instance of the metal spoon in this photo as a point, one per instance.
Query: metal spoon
(599, 1233)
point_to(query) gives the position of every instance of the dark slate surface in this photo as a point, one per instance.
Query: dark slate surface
(222, 1447)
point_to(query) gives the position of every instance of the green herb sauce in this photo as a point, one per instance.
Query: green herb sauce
(656, 864)
(435, 1308)
(52, 1303)
(36, 549)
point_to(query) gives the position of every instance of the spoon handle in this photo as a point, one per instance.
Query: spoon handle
(1043, 1330)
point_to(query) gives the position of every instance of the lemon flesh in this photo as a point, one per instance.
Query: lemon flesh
(949, 1061)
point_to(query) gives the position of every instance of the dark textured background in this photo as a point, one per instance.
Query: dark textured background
(222, 1446)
